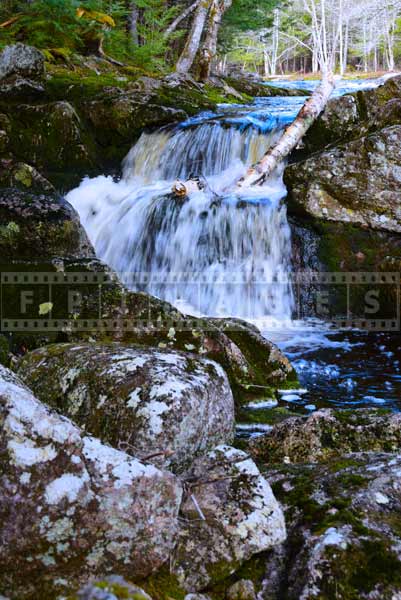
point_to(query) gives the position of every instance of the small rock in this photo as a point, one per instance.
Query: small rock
(381, 498)
(112, 588)
(242, 590)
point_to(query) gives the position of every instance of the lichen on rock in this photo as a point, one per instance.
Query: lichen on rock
(229, 514)
(73, 507)
(166, 405)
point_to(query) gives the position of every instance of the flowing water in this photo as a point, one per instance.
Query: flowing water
(223, 254)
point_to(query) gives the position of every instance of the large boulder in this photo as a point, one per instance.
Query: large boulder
(52, 137)
(358, 182)
(72, 507)
(165, 405)
(229, 514)
(21, 70)
(39, 226)
(327, 433)
(22, 60)
(344, 536)
(355, 115)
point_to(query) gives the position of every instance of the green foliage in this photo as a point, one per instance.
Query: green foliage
(63, 27)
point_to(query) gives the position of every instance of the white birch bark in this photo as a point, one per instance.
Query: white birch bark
(292, 135)
(191, 47)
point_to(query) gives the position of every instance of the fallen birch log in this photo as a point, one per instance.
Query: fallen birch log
(289, 140)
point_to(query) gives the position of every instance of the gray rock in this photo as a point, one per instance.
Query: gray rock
(21, 60)
(173, 405)
(242, 590)
(229, 514)
(343, 530)
(112, 588)
(327, 433)
(74, 508)
(38, 225)
(358, 182)
(17, 87)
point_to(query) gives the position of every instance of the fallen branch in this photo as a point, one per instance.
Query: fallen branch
(289, 140)
(292, 135)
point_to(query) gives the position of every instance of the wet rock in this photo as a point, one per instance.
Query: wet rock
(52, 138)
(165, 405)
(228, 514)
(355, 115)
(22, 60)
(111, 588)
(129, 114)
(72, 507)
(357, 183)
(260, 359)
(343, 522)
(23, 176)
(242, 590)
(38, 225)
(327, 433)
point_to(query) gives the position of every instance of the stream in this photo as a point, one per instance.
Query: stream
(220, 254)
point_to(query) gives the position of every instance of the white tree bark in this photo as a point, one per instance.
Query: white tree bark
(191, 47)
(209, 47)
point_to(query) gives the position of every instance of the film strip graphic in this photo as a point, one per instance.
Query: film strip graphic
(368, 300)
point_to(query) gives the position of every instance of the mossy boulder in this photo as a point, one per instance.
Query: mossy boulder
(355, 115)
(72, 507)
(165, 405)
(53, 138)
(39, 225)
(23, 60)
(344, 530)
(23, 176)
(327, 433)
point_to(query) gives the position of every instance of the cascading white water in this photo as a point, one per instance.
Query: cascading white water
(212, 253)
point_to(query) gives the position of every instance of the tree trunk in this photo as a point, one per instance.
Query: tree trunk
(173, 26)
(191, 47)
(292, 135)
(133, 23)
(209, 47)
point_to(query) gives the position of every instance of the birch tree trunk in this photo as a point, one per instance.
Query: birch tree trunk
(292, 135)
(209, 47)
(191, 47)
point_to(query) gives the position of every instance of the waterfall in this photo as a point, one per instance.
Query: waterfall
(214, 253)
